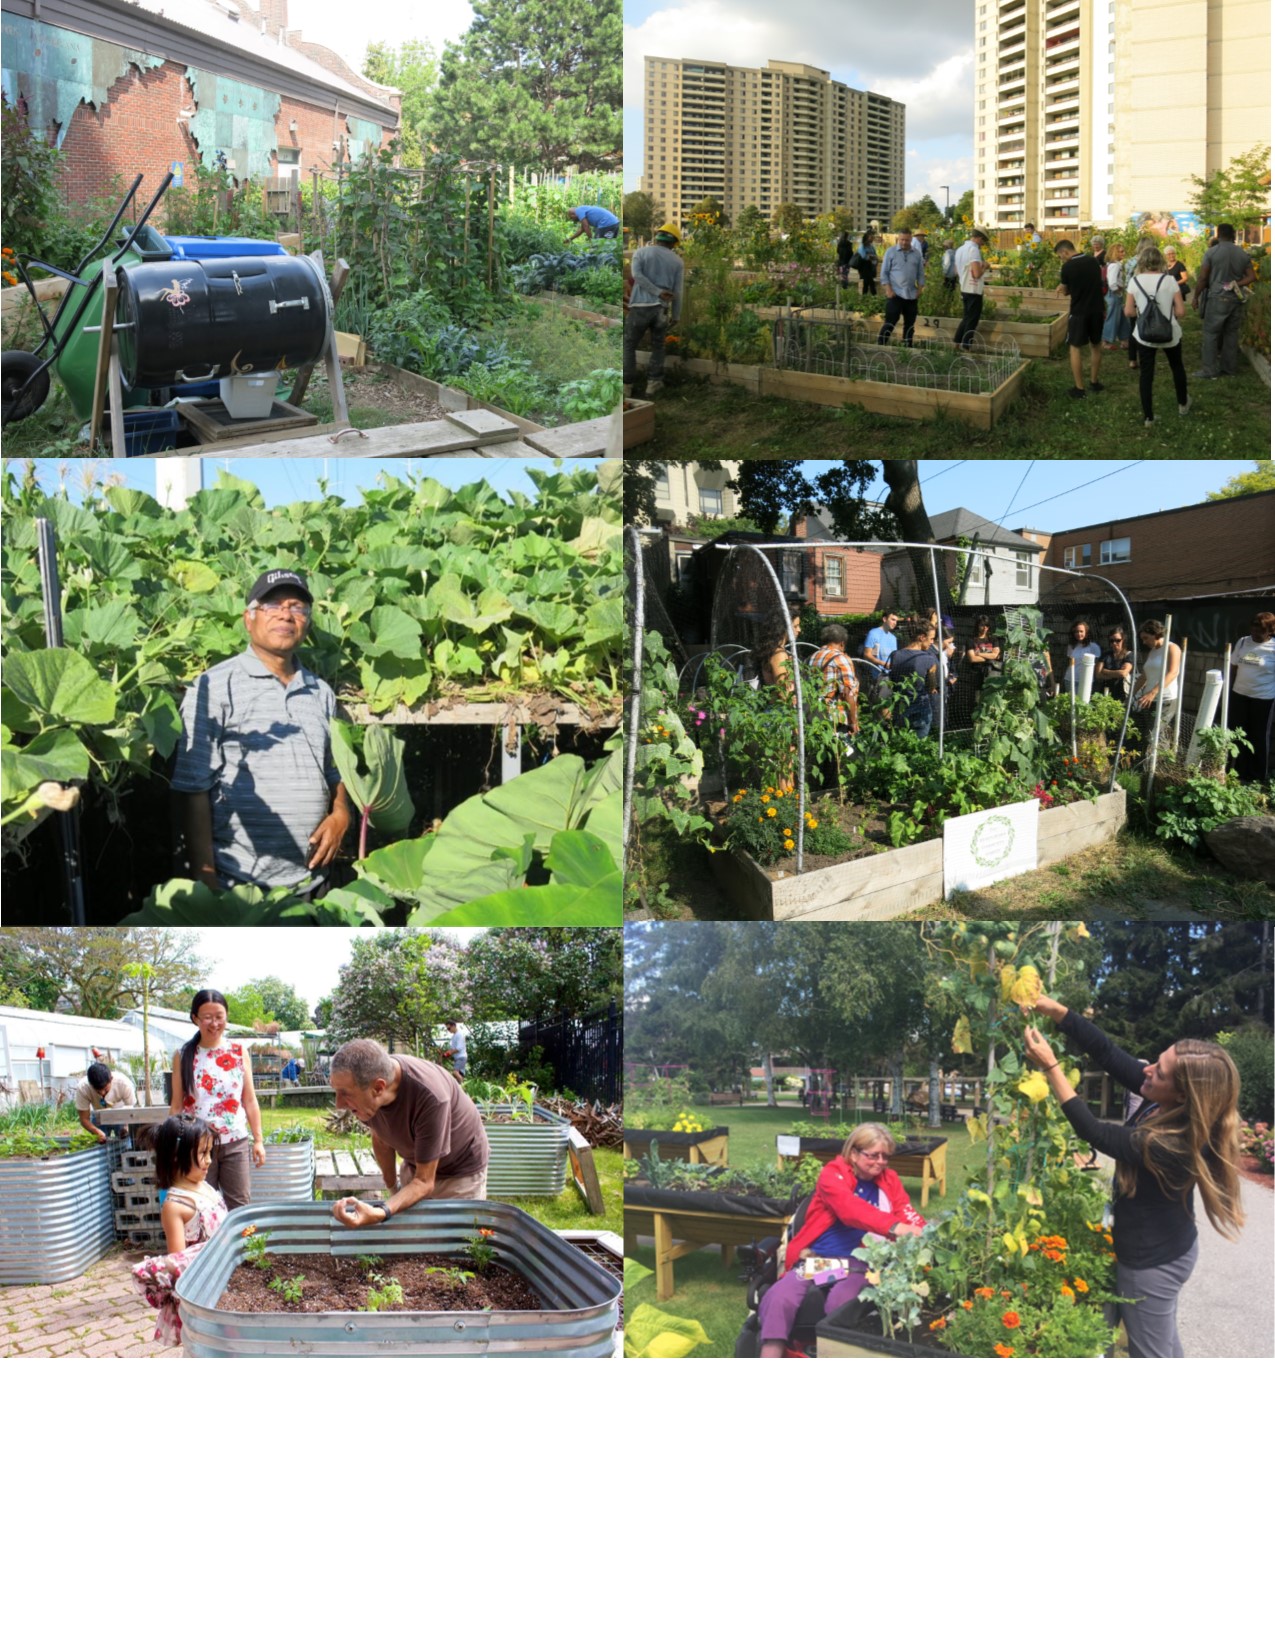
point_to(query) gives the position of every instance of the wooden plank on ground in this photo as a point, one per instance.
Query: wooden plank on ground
(421, 440)
(587, 440)
(584, 1171)
(480, 423)
(509, 449)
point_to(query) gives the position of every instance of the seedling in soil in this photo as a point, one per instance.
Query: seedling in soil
(481, 1250)
(290, 1290)
(371, 1264)
(254, 1244)
(388, 1293)
(451, 1275)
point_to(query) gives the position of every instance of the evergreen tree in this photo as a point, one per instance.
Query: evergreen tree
(535, 83)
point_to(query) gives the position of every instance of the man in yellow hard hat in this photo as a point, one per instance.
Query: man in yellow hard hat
(653, 300)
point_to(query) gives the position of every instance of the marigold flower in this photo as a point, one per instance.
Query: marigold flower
(1011, 1320)
(967, 1306)
(1080, 1285)
(938, 1323)
(1067, 1294)
(250, 1231)
(1003, 1351)
(985, 1294)
(1005, 1295)
(770, 813)
(814, 824)
(790, 845)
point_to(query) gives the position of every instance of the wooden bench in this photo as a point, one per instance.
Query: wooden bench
(337, 1173)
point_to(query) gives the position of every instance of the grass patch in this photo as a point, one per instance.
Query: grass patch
(1229, 418)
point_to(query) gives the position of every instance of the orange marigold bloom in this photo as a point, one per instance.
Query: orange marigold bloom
(1005, 1295)
(1067, 1294)
(1081, 1285)
(939, 1323)
(967, 1306)
(1003, 1351)
(985, 1294)
(1011, 1320)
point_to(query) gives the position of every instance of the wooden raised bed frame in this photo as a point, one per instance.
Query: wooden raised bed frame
(885, 885)
(980, 412)
(679, 1232)
(1036, 342)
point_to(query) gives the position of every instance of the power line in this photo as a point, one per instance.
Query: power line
(1017, 490)
(1081, 485)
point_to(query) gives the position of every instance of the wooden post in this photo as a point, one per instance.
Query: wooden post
(584, 1172)
(110, 297)
(491, 229)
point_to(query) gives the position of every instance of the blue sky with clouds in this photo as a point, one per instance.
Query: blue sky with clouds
(921, 53)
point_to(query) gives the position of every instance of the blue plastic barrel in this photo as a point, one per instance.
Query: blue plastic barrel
(209, 246)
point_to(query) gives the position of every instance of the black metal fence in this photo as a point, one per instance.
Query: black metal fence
(585, 1051)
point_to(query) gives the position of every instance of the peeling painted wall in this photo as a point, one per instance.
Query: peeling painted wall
(53, 71)
(236, 120)
(365, 137)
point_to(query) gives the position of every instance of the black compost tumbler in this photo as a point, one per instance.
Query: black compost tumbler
(187, 320)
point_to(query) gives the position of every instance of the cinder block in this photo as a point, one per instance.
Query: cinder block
(138, 1162)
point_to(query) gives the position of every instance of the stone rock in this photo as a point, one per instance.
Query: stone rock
(1246, 846)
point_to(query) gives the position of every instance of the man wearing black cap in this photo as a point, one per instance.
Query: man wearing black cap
(265, 803)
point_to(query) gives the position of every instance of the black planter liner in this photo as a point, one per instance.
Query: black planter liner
(644, 1137)
(919, 1145)
(820, 1145)
(859, 1324)
(639, 1194)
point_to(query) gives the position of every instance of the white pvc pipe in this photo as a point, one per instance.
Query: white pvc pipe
(1084, 688)
(1177, 709)
(1226, 686)
(1210, 699)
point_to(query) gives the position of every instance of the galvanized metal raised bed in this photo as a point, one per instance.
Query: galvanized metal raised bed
(57, 1215)
(527, 1159)
(577, 1320)
(288, 1174)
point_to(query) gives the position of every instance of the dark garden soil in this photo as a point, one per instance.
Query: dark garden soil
(333, 1284)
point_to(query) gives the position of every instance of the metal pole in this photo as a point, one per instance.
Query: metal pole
(942, 670)
(68, 823)
(1177, 715)
(1224, 719)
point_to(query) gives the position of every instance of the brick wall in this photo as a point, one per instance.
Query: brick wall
(860, 581)
(1202, 549)
(137, 130)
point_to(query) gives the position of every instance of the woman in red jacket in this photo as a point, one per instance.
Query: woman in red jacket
(855, 1194)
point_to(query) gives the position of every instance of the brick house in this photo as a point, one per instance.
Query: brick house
(128, 86)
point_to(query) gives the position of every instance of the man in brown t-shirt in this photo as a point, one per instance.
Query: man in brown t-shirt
(419, 1112)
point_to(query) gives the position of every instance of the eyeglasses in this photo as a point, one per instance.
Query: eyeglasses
(873, 1157)
(299, 610)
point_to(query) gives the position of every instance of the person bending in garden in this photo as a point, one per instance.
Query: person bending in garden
(265, 803)
(652, 303)
(416, 1111)
(101, 1088)
(855, 1194)
(1183, 1138)
(595, 222)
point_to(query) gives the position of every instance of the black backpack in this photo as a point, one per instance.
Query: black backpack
(1154, 326)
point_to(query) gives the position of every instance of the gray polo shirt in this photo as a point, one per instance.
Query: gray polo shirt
(260, 748)
(656, 269)
(1226, 262)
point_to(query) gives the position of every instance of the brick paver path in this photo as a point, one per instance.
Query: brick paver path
(99, 1315)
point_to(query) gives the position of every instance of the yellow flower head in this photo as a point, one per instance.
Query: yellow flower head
(1027, 987)
(770, 813)
(1035, 1087)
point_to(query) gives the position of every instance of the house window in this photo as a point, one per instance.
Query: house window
(710, 501)
(685, 562)
(1086, 554)
(833, 579)
(1069, 556)
(1112, 550)
(792, 572)
(661, 484)
(1023, 572)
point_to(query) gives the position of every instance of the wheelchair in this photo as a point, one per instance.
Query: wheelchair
(761, 1261)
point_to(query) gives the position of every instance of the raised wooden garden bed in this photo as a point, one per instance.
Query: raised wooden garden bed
(1035, 339)
(528, 1159)
(914, 401)
(704, 1146)
(888, 884)
(576, 1317)
(681, 1222)
(57, 1214)
(639, 422)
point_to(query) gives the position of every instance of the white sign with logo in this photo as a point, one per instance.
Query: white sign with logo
(987, 847)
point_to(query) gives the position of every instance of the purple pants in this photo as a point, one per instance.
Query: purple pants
(781, 1303)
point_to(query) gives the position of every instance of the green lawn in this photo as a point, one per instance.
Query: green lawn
(1229, 418)
(714, 1294)
(567, 1211)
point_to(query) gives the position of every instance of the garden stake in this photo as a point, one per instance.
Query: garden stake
(1177, 720)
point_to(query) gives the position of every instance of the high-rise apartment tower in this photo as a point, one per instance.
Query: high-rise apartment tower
(1095, 111)
(787, 133)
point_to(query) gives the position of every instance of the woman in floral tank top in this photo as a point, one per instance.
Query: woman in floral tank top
(212, 1080)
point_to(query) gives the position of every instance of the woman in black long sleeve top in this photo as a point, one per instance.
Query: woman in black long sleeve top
(1185, 1135)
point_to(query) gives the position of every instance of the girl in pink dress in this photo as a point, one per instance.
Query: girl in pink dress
(212, 1080)
(191, 1213)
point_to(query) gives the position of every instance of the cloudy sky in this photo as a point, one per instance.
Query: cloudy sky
(920, 52)
(348, 29)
